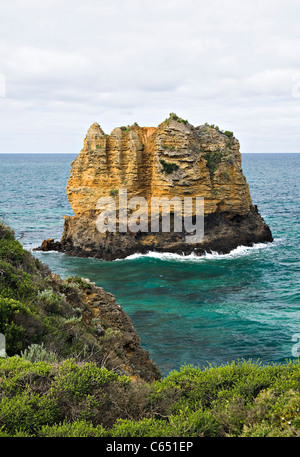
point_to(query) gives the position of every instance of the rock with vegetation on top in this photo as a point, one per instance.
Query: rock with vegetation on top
(175, 159)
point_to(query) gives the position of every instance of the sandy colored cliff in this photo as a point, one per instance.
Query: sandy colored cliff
(174, 159)
(133, 158)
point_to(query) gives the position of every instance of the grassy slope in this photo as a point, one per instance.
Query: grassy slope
(52, 385)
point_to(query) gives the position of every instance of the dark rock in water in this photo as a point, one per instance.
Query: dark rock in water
(49, 245)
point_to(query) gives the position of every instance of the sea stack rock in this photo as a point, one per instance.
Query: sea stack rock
(175, 159)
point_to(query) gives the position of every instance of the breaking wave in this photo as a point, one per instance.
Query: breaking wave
(240, 251)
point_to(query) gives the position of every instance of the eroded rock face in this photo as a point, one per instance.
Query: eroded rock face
(117, 334)
(105, 329)
(175, 159)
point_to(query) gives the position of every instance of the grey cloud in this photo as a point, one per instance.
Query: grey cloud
(67, 64)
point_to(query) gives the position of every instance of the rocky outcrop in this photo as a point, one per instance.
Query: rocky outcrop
(56, 319)
(108, 330)
(175, 159)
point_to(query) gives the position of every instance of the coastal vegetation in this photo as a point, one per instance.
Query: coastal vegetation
(44, 399)
(213, 159)
(174, 117)
(66, 374)
(64, 316)
(169, 167)
(113, 192)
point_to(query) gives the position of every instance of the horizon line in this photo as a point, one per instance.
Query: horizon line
(277, 152)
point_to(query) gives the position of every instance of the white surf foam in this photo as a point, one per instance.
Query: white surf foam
(240, 251)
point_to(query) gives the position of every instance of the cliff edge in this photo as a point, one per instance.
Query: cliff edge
(175, 159)
(45, 317)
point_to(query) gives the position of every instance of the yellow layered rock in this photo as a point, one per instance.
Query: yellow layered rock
(174, 159)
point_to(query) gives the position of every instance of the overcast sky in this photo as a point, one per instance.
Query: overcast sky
(66, 64)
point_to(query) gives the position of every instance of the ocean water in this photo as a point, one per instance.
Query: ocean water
(187, 310)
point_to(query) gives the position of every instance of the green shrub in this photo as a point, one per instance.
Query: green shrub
(27, 412)
(113, 192)
(77, 382)
(143, 428)
(185, 424)
(11, 250)
(78, 281)
(169, 167)
(71, 320)
(15, 319)
(76, 429)
(174, 117)
(110, 334)
(17, 374)
(6, 232)
(38, 353)
(50, 301)
(215, 127)
(222, 383)
(15, 282)
(213, 159)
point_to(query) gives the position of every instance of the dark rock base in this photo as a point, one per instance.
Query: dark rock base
(223, 232)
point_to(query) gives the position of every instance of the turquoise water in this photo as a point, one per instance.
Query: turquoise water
(214, 309)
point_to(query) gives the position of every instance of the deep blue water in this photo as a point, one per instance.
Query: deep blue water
(214, 309)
